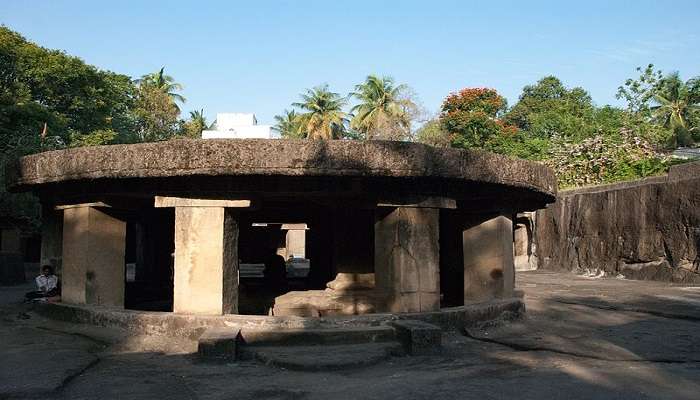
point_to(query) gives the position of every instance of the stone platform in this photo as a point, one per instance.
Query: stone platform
(193, 326)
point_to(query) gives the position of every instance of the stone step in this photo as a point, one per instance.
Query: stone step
(319, 336)
(323, 358)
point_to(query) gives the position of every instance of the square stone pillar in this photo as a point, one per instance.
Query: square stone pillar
(406, 263)
(206, 256)
(51, 239)
(488, 259)
(11, 241)
(11, 258)
(93, 256)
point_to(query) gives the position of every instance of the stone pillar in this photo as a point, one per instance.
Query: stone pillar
(206, 255)
(488, 259)
(406, 258)
(524, 246)
(296, 242)
(11, 259)
(93, 256)
(52, 239)
(10, 241)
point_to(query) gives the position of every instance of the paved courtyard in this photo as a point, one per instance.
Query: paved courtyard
(583, 338)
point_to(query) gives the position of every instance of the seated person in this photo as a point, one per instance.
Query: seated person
(47, 283)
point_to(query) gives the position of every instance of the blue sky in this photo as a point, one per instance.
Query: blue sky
(257, 56)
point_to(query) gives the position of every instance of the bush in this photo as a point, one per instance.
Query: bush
(600, 159)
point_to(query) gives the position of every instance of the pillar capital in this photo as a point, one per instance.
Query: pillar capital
(163, 201)
(418, 202)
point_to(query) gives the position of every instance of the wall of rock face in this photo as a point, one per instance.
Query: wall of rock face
(647, 229)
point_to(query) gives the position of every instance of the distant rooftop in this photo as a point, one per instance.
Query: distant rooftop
(687, 153)
(237, 126)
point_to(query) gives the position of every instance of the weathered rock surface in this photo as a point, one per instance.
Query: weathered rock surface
(165, 166)
(647, 229)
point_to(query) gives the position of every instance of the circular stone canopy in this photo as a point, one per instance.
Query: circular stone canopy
(364, 171)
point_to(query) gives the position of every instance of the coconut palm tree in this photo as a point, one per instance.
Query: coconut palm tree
(288, 125)
(323, 116)
(676, 102)
(165, 83)
(196, 124)
(197, 118)
(385, 109)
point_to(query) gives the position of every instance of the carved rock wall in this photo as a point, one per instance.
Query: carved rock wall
(647, 229)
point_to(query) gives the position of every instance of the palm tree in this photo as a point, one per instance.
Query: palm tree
(676, 103)
(323, 117)
(384, 109)
(197, 118)
(288, 125)
(165, 83)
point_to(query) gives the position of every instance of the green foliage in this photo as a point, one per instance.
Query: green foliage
(677, 107)
(323, 116)
(522, 145)
(156, 114)
(561, 127)
(600, 159)
(195, 125)
(288, 125)
(548, 109)
(41, 87)
(432, 133)
(164, 83)
(50, 100)
(94, 138)
(472, 118)
(385, 110)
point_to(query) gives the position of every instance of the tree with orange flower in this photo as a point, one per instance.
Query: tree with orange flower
(472, 117)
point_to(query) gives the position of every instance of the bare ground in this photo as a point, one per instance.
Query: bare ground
(583, 338)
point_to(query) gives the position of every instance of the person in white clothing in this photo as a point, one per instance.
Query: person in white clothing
(46, 283)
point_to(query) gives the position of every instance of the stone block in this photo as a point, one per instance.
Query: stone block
(329, 302)
(51, 239)
(407, 258)
(218, 344)
(93, 257)
(206, 261)
(418, 337)
(352, 281)
(161, 201)
(489, 270)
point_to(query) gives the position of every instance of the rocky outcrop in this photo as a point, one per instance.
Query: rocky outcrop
(647, 229)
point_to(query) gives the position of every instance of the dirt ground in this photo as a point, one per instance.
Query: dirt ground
(583, 338)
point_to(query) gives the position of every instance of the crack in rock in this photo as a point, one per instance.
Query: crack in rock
(661, 314)
(526, 348)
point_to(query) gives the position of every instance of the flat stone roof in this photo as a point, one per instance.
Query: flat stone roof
(188, 158)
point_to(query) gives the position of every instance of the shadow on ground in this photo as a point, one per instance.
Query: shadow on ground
(581, 339)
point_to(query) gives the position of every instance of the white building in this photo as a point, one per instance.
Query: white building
(237, 126)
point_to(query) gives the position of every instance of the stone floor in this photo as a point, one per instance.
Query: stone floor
(583, 338)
